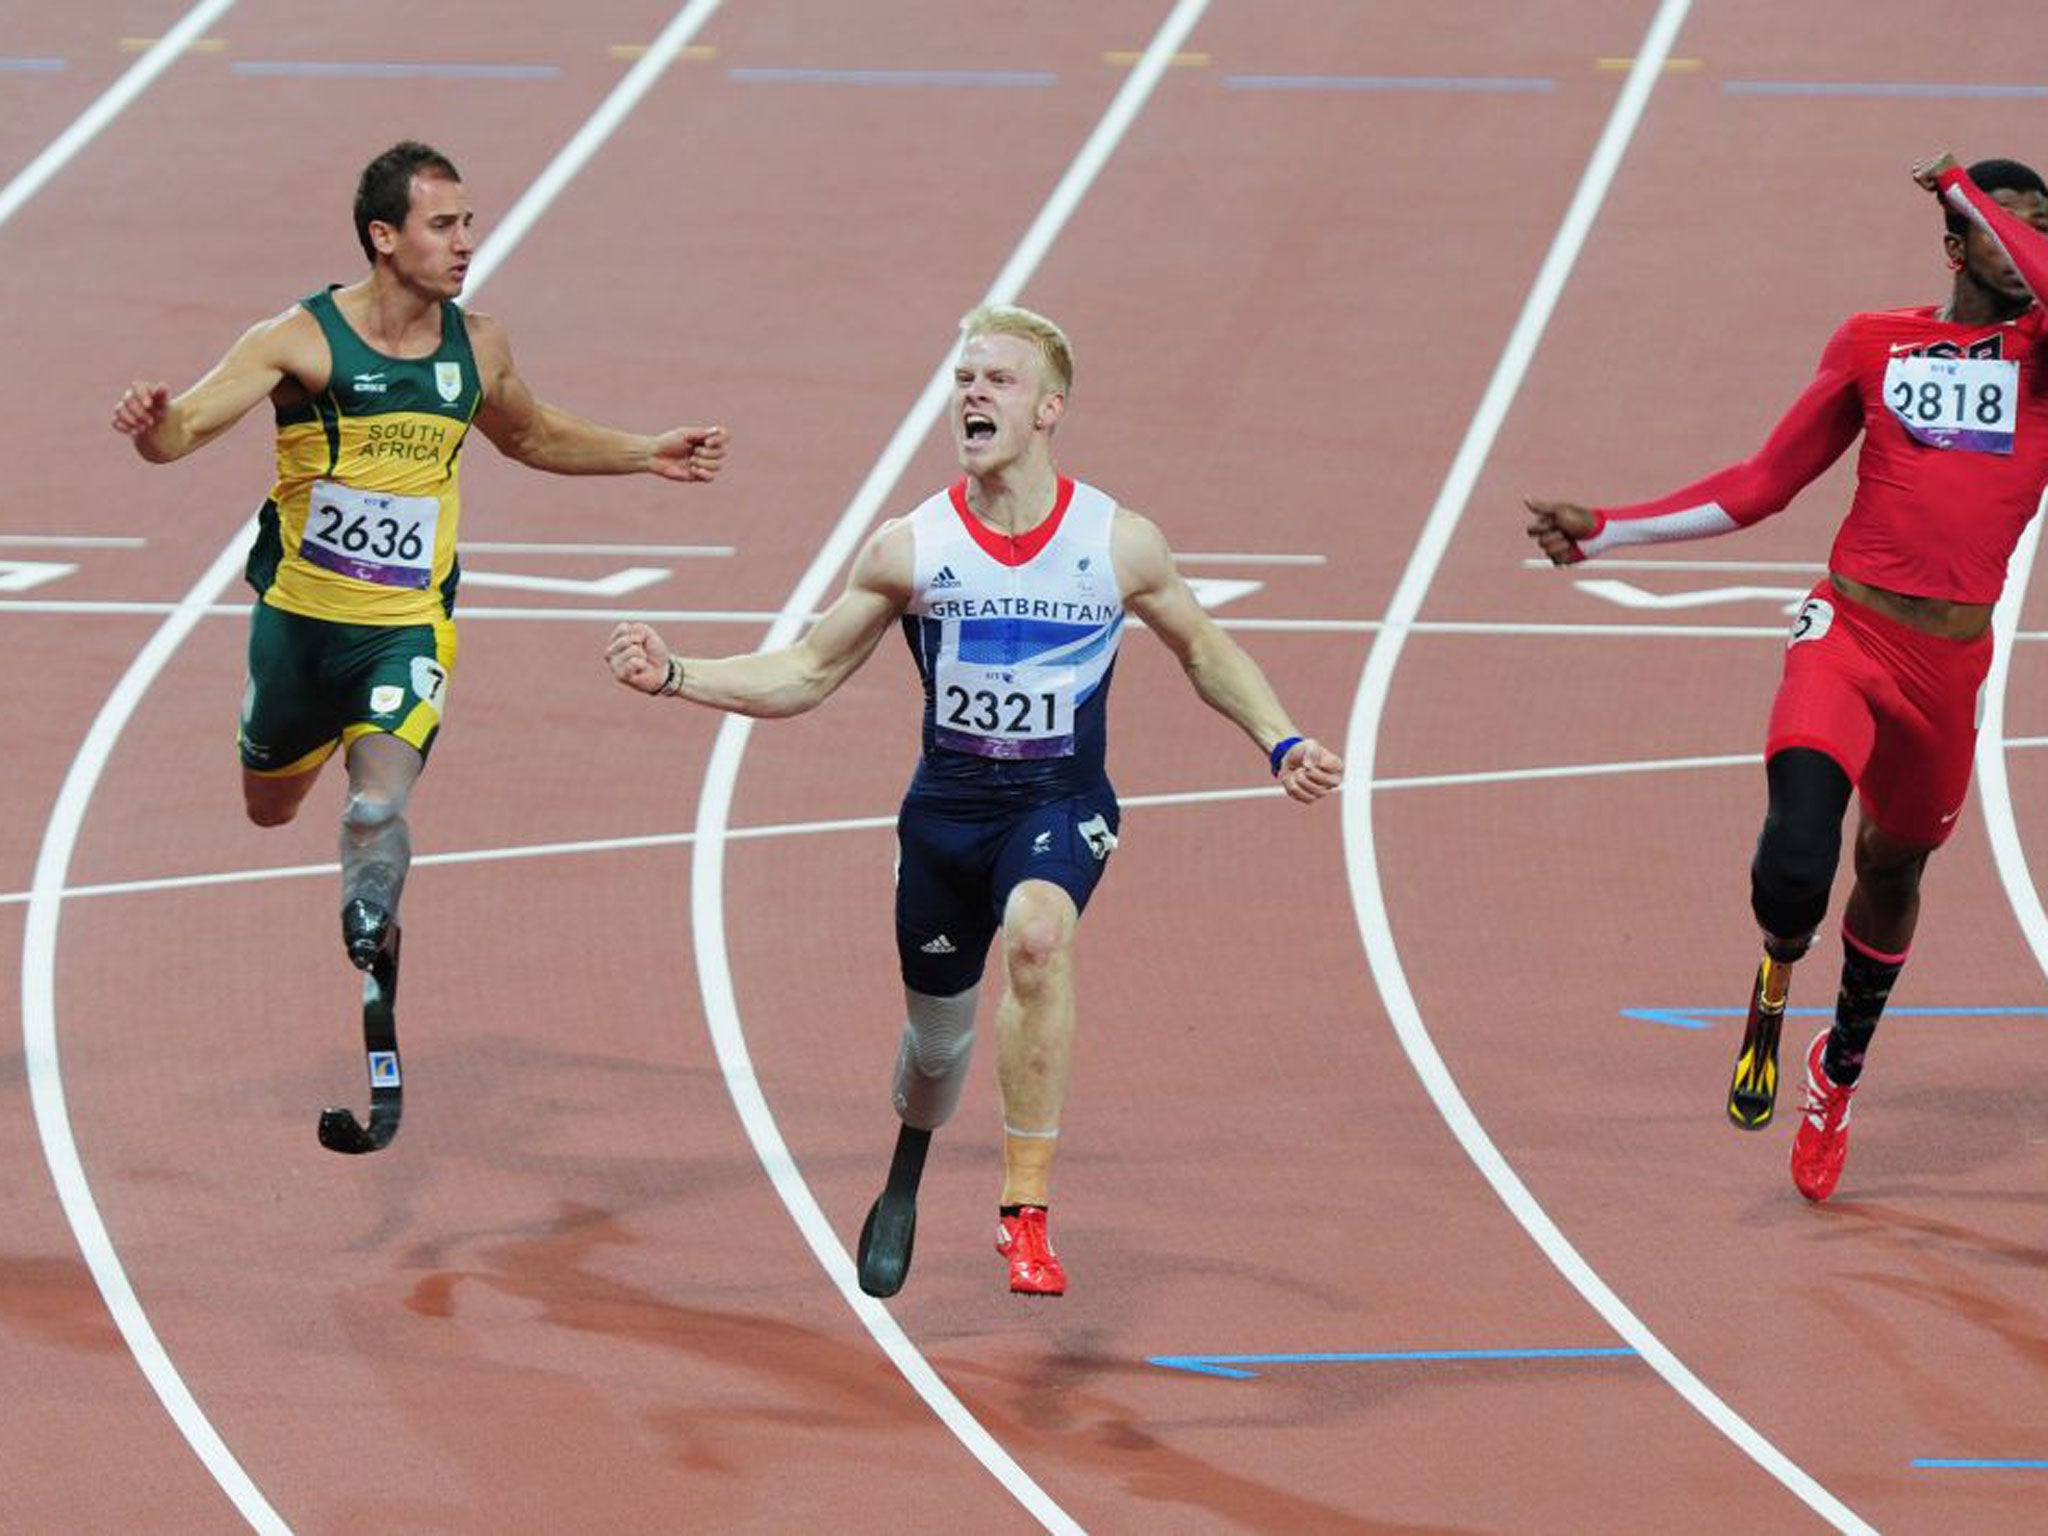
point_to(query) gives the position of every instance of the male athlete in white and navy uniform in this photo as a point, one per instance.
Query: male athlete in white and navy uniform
(1016, 641)
(1012, 589)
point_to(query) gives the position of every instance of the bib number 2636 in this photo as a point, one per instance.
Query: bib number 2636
(388, 540)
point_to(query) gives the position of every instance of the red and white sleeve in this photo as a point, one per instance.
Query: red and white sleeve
(1822, 422)
(2025, 246)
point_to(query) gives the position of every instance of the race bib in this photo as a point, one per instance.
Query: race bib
(1014, 711)
(1969, 403)
(388, 540)
(1815, 618)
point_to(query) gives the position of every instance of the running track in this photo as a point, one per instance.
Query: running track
(570, 1297)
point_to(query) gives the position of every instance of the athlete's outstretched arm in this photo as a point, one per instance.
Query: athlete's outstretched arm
(164, 428)
(1822, 422)
(2025, 244)
(773, 684)
(1228, 680)
(543, 436)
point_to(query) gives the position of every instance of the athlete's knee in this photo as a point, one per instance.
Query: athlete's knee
(369, 813)
(270, 813)
(1796, 857)
(1801, 842)
(1881, 857)
(1790, 877)
(272, 802)
(933, 1056)
(1037, 930)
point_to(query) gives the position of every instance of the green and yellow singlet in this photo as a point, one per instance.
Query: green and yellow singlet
(360, 527)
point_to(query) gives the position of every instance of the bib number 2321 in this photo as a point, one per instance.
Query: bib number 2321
(1011, 712)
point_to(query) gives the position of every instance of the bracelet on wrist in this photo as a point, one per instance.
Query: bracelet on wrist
(673, 683)
(1279, 753)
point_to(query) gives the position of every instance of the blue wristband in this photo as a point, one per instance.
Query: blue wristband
(1279, 753)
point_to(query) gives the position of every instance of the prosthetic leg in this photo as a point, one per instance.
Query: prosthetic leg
(931, 1071)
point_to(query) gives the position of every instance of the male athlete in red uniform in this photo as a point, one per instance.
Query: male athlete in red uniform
(1888, 653)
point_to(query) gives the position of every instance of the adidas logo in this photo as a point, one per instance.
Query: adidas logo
(939, 946)
(945, 578)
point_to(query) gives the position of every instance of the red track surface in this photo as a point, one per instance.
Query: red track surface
(568, 1298)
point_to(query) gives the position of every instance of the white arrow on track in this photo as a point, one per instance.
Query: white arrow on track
(1213, 592)
(618, 584)
(20, 575)
(1629, 595)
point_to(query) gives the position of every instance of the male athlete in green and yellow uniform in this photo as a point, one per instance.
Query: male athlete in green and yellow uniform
(375, 386)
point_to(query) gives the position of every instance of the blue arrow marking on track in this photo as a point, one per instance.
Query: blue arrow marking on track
(1228, 1365)
(1704, 1018)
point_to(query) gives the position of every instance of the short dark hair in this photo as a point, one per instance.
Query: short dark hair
(1995, 176)
(384, 190)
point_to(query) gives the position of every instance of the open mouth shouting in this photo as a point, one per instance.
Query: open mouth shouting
(977, 428)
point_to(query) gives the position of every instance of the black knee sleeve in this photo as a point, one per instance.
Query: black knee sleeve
(1801, 842)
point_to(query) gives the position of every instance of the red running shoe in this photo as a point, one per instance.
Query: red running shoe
(1034, 1268)
(1822, 1142)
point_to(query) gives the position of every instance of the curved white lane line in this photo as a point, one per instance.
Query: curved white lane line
(67, 816)
(2007, 850)
(1361, 740)
(53, 862)
(39, 1044)
(714, 805)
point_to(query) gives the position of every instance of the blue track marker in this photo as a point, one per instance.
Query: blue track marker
(1977, 1464)
(31, 66)
(1228, 1366)
(1705, 1018)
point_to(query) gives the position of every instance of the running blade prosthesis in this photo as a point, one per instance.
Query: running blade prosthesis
(886, 1239)
(1753, 1093)
(340, 1131)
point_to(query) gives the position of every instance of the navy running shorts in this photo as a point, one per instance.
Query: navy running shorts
(954, 876)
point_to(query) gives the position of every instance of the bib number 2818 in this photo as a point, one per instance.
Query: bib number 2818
(1970, 403)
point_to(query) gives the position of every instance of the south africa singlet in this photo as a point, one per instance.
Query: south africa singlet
(360, 526)
(1015, 641)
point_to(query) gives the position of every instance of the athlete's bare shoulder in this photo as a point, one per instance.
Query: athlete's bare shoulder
(887, 562)
(292, 342)
(492, 349)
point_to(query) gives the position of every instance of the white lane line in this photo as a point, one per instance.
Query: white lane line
(45, 1081)
(1610, 563)
(590, 615)
(1184, 557)
(675, 551)
(69, 541)
(1172, 798)
(60, 837)
(112, 102)
(624, 96)
(714, 805)
(53, 859)
(2008, 853)
(1361, 742)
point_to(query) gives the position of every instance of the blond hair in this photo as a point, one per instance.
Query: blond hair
(1054, 350)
